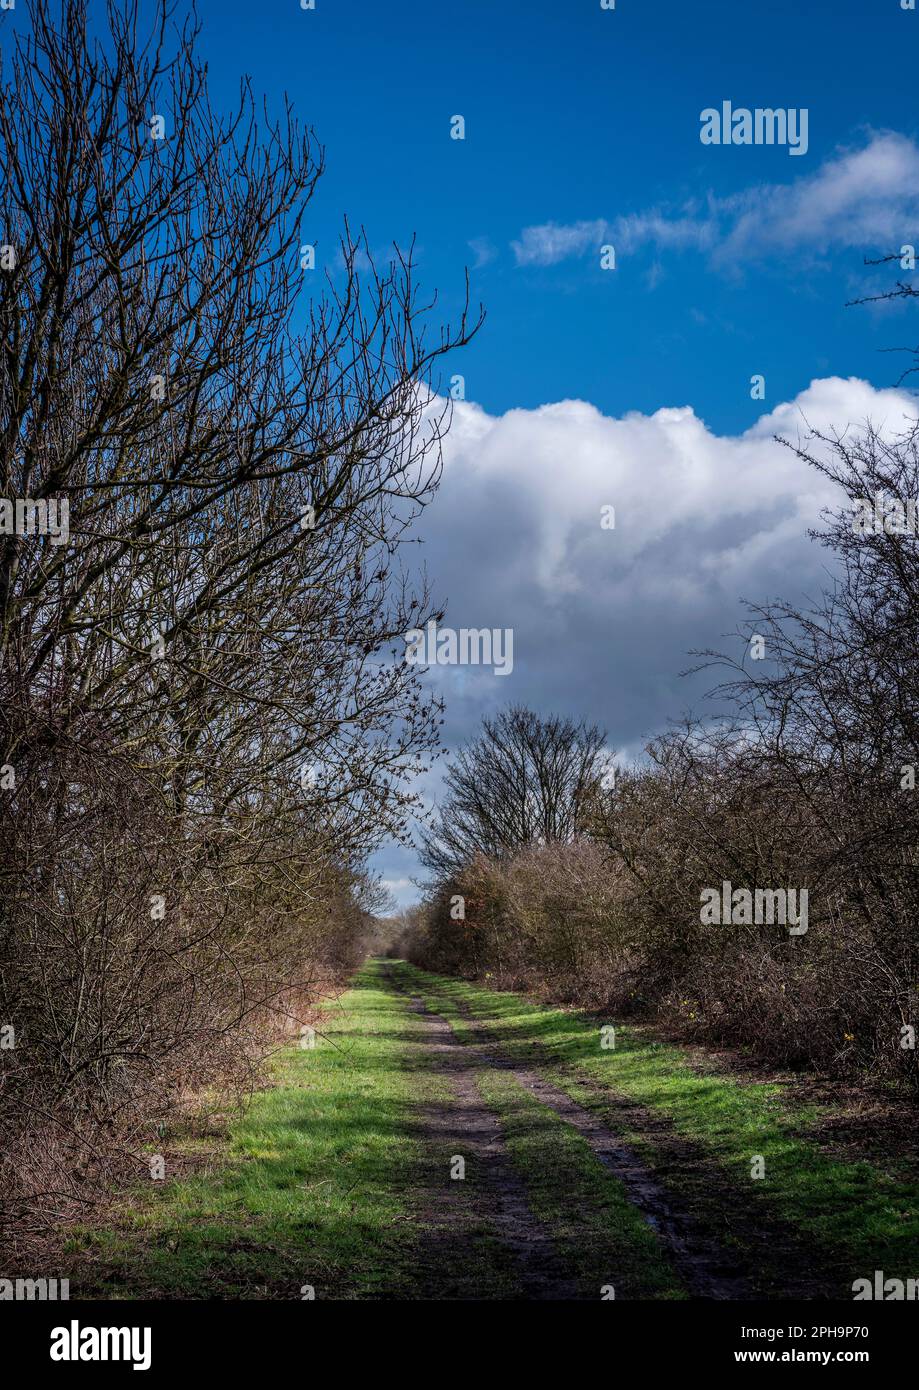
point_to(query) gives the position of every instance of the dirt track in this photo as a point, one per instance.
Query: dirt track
(493, 1195)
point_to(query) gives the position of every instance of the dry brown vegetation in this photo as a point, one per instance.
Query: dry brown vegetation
(203, 728)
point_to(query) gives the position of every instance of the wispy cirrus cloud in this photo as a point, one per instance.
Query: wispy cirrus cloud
(483, 250)
(554, 241)
(859, 197)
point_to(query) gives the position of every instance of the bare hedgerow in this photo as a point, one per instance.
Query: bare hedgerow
(202, 727)
(836, 715)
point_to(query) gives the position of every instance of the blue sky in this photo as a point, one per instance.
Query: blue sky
(628, 387)
(575, 114)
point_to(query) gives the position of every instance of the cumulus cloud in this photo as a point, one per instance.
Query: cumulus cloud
(604, 620)
(860, 197)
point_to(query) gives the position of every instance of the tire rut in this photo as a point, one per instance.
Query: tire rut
(707, 1270)
(787, 1264)
(491, 1191)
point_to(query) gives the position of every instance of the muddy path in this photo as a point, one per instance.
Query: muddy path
(489, 1199)
(497, 1195)
(689, 1198)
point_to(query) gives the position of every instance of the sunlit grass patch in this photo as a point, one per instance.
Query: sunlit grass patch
(316, 1183)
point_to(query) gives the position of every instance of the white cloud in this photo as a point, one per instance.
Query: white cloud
(483, 250)
(865, 197)
(603, 620)
(553, 242)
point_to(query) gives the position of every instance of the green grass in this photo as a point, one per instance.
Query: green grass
(316, 1184)
(327, 1179)
(860, 1216)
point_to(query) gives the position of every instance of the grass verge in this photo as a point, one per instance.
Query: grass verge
(315, 1184)
(857, 1217)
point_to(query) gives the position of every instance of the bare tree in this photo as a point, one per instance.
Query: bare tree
(203, 724)
(526, 779)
